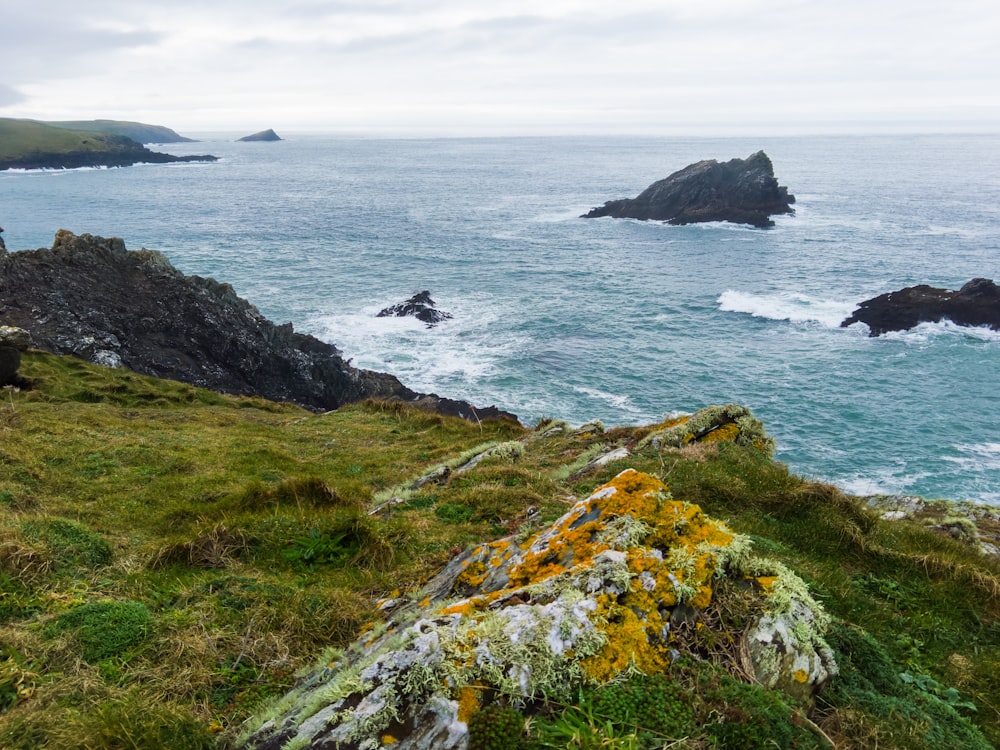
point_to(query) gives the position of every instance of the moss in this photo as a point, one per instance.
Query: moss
(71, 543)
(104, 629)
(496, 728)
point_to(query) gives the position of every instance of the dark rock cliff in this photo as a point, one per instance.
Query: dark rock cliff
(977, 303)
(113, 151)
(741, 191)
(91, 297)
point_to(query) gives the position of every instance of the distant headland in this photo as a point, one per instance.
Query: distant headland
(31, 144)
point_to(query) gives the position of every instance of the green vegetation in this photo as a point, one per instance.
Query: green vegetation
(19, 138)
(171, 557)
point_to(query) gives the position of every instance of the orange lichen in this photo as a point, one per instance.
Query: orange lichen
(727, 432)
(468, 702)
(801, 676)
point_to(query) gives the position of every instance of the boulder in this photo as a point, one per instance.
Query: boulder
(10, 361)
(264, 135)
(91, 297)
(977, 303)
(613, 587)
(15, 338)
(741, 191)
(419, 306)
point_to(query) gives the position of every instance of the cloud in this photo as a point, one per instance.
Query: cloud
(562, 64)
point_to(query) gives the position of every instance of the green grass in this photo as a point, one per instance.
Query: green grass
(21, 137)
(170, 557)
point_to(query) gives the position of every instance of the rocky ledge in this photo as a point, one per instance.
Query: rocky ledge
(741, 191)
(977, 303)
(91, 297)
(617, 586)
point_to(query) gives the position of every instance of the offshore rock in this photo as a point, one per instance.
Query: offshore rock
(611, 587)
(3, 247)
(91, 297)
(977, 303)
(264, 135)
(419, 306)
(741, 191)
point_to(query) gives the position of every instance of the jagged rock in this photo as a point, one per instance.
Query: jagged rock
(419, 306)
(977, 303)
(3, 247)
(608, 588)
(741, 191)
(264, 135)
(91, 297)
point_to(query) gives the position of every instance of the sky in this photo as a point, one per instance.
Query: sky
(507, 67)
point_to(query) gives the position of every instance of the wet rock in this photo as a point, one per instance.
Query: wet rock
(977, 303)
(419, 306)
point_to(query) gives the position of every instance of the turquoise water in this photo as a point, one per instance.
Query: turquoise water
(622, 321)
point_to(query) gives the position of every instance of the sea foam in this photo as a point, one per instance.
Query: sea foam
(790, 306)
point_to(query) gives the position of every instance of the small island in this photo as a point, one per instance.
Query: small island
(264, 136)
(29, 144)
(976, 304)
(741, 191)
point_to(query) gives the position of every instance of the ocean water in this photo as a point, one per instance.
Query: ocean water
(623, 321)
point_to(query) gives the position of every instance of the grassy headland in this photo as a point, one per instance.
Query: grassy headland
(29, 144)
(170, 557)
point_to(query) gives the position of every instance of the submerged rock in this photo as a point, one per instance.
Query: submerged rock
(741, 191)
(91, 297)
(977, 303)
(610, 588)
(419, 306)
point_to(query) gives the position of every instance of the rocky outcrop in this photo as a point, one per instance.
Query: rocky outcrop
(13, 341)
(608, 590)
(264, 135)
(977, 303)
(741, 191)
(419, 306)
(91, 297)
(3, 247)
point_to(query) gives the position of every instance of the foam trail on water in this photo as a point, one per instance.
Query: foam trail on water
(790, 306)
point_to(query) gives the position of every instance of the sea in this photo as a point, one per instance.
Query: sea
(618, 320)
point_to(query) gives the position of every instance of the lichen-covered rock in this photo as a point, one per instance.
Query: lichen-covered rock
(15, 337)
(714, 423)
(602, 592)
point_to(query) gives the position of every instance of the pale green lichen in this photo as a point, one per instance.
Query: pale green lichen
(680, 431)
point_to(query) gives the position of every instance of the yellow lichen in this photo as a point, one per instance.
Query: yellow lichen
(468, 703)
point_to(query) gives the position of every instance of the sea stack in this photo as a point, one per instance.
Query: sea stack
(264, 135)
(741, 191)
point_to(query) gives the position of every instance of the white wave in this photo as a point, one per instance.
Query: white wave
(453, 357)
(977, 456)
(791, 306)
(927, 331)
(617, 400)
(883, 482)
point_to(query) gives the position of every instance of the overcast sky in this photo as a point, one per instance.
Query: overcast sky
(506, 66)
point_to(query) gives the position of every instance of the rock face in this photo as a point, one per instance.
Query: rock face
(741, 191)
(977, 303)
(3, 247)
(91, 297)
(264, 135)
(419, 306)
(608, 589)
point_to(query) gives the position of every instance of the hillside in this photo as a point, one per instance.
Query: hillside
(170, 558)
(139, 132)
(27, 144)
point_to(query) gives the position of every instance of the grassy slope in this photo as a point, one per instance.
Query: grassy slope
(138, 131)
(169, 557)
(20, 137)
